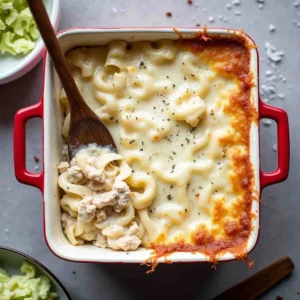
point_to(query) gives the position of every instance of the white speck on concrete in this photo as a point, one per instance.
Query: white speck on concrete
(296, 3)
(36, 168)
(225, 19)
(267, 122)
(6, 230)
(283, 79)
(236, 2)
(298, 24)
(272, 78)
(260, 6)
(269, 72)
(280, 96)
(267, 89)
(275, 148)
(272, 28)
(204, 9)
(228, 6)
(114, 10)
(273, 54)
(220, 17)
(211, 19)
(237, 12)
(196, 5)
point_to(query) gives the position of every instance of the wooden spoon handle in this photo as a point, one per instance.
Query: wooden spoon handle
(260, 282)
(47, 33)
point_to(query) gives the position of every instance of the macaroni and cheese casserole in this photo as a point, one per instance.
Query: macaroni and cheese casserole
(180, 113)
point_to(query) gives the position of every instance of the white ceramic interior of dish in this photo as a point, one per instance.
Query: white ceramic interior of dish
(13, 67)
(53, 119)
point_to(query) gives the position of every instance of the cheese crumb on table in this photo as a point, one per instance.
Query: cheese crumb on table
(211, 19)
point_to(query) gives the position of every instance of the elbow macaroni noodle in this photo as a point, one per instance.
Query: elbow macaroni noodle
(163, 106)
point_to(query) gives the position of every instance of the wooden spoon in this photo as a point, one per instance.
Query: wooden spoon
(85, 126)
(260, 282)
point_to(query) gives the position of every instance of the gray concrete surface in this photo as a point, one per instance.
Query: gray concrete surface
(21, 206)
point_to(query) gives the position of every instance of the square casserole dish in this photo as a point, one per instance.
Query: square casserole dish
(49, 110)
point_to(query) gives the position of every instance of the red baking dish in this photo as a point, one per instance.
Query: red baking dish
(49, 110)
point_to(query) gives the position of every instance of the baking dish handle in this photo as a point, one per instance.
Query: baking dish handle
(281, 118)
(21, 118)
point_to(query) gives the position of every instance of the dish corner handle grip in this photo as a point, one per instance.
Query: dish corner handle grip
(21, 118)
(283, 141)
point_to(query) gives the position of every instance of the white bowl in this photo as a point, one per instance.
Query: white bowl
(13, 67)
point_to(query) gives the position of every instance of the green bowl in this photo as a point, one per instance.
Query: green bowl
(11, 260)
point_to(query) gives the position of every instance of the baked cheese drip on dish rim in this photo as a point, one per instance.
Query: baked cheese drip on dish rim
(180, 114)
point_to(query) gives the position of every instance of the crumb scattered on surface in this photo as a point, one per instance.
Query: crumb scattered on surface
(211, 19)
(190, 1)
(237, 12)
(272, 53)
(267, 122)
(275, 148)
(272, 28)
(36, 159)
(168, 14)
(236, 2)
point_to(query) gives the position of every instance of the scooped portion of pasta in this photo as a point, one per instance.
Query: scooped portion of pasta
(96, 202)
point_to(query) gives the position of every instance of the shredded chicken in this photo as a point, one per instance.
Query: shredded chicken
(63, 167)
(101, 215)
(123, 195)
(134, 229)
(101, 241)
(86, 210)
(74, 174)
(105, 199)
(126, 243)
(91, 172)
(67, 220)
(119, 237)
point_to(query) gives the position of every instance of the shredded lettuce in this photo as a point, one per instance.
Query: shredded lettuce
(26, 286)
(18, 31)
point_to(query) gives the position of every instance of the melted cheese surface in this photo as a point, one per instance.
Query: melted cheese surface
(174, 113)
